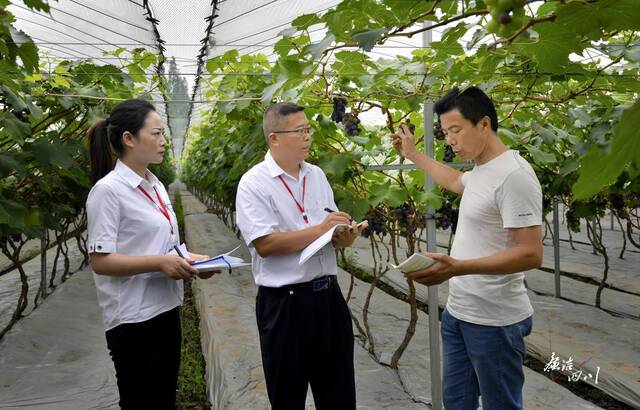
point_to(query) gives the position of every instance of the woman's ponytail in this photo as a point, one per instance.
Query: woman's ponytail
(102, 160)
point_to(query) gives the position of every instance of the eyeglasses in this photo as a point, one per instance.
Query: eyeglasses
(300, 132)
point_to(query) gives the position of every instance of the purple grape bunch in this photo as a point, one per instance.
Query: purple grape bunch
(449, 155)
(402, 214)
(376, 225)
(447, 216)
(339, 109)
(438, 132)
(351, 122)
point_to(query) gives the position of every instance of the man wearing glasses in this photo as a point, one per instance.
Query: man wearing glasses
(282, 204)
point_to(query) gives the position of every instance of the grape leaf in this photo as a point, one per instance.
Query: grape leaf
(552, 48)
(51, 154)
(10, 163)
(14, 128)
(367, 39)
(305, 21)
(598, 170)
(317, 49)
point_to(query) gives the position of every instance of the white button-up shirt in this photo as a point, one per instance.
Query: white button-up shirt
(121, 219)
(264, 206)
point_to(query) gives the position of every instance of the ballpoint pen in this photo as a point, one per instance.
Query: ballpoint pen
(330, 211)
(175, 247)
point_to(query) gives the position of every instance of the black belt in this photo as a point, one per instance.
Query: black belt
(317, 284)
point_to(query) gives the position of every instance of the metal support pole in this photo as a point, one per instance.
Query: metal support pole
(395, 167)
(434, 323)
(612, 226)
(43, 263)
(556, 246)
(593, 231)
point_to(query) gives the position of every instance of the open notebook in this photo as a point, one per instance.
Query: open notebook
(415, 262)
(223, 261)
(319, 243)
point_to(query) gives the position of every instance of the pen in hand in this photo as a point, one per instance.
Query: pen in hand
(175, 247)
(350, 219)
(330, 211)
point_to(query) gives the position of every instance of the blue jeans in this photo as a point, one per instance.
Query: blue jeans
(483, 361)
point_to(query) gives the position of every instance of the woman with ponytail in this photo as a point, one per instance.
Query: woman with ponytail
(131, 229)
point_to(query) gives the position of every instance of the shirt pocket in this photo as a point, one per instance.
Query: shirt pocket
(315, 210)
(313, 204)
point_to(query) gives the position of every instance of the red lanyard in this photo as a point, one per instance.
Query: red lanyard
(160, 207)
(304, 190)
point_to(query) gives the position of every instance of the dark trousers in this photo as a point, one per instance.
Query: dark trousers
(306, 337)
(146, 356)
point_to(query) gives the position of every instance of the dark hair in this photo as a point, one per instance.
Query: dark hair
(105, 136)
(472, 103)
(275, 113)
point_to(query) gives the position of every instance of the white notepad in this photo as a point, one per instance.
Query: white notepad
(222, 261)
(415, 262)
(319, 243)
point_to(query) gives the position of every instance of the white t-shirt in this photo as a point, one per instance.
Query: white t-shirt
(264, 206)
(503, 193)
(121, 219)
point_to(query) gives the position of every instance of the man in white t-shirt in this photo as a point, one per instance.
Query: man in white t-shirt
(498, 237)
(283, 204)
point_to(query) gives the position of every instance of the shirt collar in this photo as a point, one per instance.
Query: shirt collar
(275, 170)
(131, 177)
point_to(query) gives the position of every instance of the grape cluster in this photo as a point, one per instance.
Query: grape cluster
(376, 224)
(15, 238)
(573, 220)
(507, 16)
(402, 215)
(617, 202)
(340, 115)
(438, 132)
(351, 122)
(447, 216)
(22, 115)
(449, 155)
(546, 204)
(350, 173)
(339, 109)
